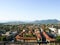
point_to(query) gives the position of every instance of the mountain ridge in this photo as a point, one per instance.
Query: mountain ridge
(49, 21)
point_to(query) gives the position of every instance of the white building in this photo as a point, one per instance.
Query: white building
(7, 33)
(58, 31)
(53, 29)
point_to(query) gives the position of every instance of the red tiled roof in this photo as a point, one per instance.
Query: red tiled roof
(34, 38)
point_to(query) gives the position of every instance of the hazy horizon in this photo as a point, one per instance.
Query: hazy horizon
(29, 10)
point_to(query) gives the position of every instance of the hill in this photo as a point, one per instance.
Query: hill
(49, 21)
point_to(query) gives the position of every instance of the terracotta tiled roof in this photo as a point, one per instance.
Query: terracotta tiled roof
(34, 38)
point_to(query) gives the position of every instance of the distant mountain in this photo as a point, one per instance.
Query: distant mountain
(49, 21)
(14, 23)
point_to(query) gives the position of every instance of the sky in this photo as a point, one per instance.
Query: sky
(29, 10)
